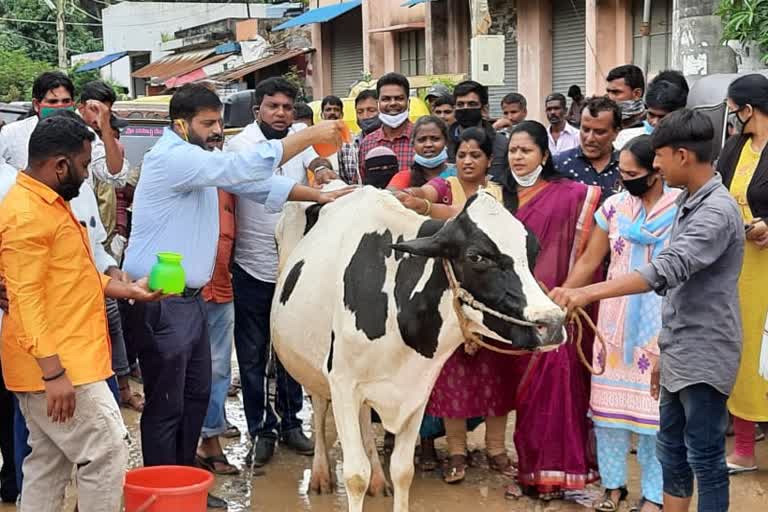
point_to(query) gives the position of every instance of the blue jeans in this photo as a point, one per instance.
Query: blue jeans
(21, 447)
(691, 441)
(253, 301)
(221, 328)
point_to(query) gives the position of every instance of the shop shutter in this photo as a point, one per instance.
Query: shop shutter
(346, 52)
(495, 93)
(568, 45)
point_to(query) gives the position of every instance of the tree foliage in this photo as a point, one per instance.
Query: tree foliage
(17, 72)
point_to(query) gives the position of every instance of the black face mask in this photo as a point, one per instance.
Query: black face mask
(270, 133)
(70, 187)
(468, 117)
(369, 125)
(737, 123)
(638, 186)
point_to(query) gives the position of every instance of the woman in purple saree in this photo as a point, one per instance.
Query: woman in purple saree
(553, 435)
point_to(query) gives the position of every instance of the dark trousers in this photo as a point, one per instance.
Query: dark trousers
(128, 334)
(253, 301)
(175, 358)
(8, 485)
(691, 441)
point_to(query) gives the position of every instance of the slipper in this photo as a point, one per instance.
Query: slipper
(209, 463)
(735, 469)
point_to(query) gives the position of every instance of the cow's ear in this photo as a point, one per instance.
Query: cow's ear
(430, 247)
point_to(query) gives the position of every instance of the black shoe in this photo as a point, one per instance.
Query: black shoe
(261, 452)
(298, 442)
(214, 502)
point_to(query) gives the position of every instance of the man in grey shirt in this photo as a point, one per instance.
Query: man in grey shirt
(700, 341)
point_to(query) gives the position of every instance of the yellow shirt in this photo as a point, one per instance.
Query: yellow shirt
(745, 169)
(56, 295)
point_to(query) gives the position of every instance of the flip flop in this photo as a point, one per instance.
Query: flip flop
(736, 469)
(209, 463)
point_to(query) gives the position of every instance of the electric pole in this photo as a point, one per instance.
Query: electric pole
(61, 36)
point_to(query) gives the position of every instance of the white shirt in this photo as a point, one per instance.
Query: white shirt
(256, 250)
(14, 150)
(14, 143)
(569, 138)
(627, 135)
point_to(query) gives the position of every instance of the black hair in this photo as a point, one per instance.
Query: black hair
(538, 133)
(750, 90)
(665, 96)
(444, 100)
(302, 111)
(190, 99)
(556, 96)
(470, 86)
(674, 76)
(332, 100)
(632, 75)
(98, 90)
(418, 173)
(272, 86)
(49, 81)
(61, 134)
(597, 104)
(367, 94)
(687, 129)
(574, 92)
(485, 137)
(641, 148)
(393, 79)
(514, 97)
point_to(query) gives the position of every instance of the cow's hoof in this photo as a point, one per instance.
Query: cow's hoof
(379, 486)
(321, 484)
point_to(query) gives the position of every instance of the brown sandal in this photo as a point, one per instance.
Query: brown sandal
(502, 464)
(455, 469)
(134, 401)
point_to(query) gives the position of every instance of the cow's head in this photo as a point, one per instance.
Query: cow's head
(492, 255)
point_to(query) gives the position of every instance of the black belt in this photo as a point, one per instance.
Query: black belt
(191, 292)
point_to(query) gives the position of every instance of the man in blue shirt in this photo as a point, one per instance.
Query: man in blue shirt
(595, 162)
(176, 209)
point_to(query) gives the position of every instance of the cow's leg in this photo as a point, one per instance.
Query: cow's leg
(378, 484)
(401, 463)
(322, 481)
(347, 403)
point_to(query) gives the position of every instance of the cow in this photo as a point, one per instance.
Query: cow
(364, 316)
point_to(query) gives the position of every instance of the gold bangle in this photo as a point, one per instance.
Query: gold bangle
(429, 206)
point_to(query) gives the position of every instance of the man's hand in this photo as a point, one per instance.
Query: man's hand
(117, 274)
(655, 381)
(502, 123)
(3, 296)
(570, 298)
(60, 395)
(328, 132)
(139, 290)
(329, 197)
(104, 115)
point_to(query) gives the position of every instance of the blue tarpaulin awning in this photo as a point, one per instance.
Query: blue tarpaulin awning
(411, 3)
(320, 15)
(100, 63)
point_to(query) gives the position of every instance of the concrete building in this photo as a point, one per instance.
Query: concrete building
(135, 32)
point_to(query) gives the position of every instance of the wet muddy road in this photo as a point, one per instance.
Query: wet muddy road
(284, 487)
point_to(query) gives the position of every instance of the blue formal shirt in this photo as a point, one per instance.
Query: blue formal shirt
(176, 206)
(574, 165)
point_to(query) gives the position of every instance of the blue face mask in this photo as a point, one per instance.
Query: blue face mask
(648, 127)
(435, 161)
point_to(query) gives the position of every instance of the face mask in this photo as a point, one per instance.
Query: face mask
(369, 125)
(70, 188)
(49, 111)
(648, 127)
(467, 117)
(270, 133)
(638, 186)
(432, 162)
(631, 108)
(529, 179)
(736, 121)
(393, 121)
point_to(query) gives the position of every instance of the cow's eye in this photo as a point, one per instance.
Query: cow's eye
(476, 258)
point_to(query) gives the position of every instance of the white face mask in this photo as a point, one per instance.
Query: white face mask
(394, 121)
(529, 179)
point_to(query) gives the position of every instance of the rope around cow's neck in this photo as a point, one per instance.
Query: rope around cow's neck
(473, 341)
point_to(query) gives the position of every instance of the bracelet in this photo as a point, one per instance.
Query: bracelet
(429, 206)
(49, 379)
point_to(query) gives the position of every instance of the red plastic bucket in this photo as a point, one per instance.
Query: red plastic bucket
(167, 489)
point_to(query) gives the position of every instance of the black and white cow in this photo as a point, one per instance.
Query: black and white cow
(363, 316)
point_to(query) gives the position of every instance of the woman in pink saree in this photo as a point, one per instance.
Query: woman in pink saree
(553, 435)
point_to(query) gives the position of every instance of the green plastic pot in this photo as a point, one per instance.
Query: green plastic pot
(168, 274)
